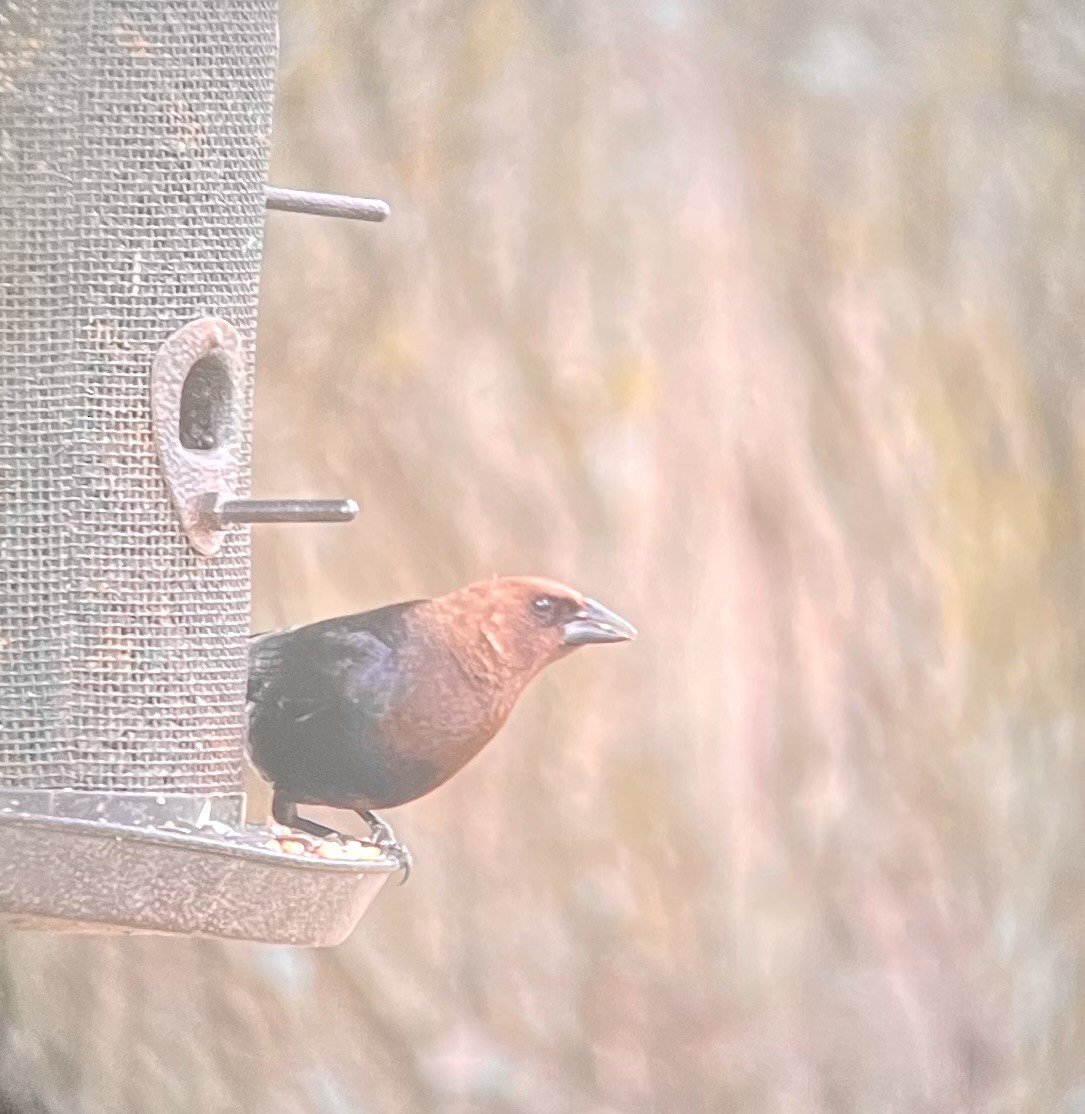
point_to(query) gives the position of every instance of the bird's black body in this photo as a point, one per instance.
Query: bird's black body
(317, 698)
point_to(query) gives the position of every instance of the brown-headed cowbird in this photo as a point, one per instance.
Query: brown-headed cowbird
(373, 710)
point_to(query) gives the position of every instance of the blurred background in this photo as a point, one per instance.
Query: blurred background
(763, 323)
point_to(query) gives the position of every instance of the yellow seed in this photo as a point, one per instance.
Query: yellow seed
(358, 851)
(331, 851)
(291, 846)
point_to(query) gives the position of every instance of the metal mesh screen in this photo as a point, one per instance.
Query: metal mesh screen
(133, 145)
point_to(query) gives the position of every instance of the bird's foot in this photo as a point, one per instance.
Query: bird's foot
(285, 812)
(380, 832)
(379, 829)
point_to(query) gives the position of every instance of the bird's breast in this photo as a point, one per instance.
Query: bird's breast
(442, 725)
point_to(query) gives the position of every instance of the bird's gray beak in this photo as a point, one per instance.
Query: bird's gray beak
(595, 623)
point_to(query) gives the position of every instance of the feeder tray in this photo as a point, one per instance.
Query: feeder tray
(77, 871)
(133, 194)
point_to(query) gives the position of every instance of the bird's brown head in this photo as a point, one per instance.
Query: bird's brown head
(521, 624)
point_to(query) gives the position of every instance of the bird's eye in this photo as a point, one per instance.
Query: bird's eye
(542, 606)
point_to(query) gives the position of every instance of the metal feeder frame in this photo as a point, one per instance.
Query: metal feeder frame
(134, 139)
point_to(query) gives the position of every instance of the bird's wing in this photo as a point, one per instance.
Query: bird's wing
(296, 674)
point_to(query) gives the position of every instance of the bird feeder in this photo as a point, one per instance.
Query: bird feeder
(133, 156)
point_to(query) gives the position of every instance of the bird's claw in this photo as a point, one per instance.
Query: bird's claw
(382, 836)
(402, 856)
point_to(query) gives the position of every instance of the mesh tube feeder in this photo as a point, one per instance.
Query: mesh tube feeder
(133, 159)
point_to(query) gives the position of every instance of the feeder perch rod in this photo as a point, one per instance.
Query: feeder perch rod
(326, 204)
(236, 511)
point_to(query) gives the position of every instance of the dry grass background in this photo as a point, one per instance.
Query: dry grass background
(763, 324)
